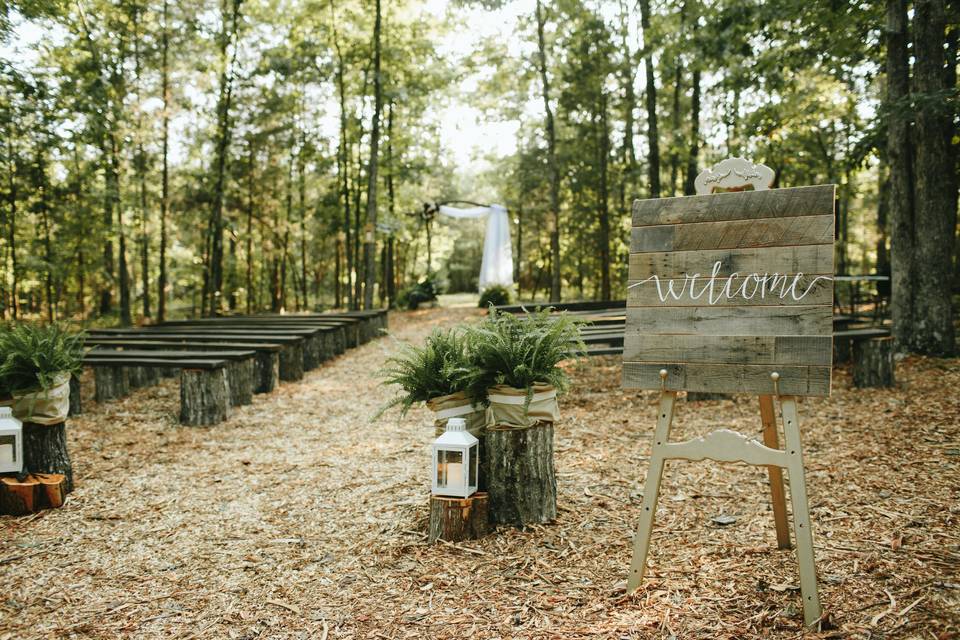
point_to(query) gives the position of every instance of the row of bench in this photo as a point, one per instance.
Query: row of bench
(605, 326)
(222, 362)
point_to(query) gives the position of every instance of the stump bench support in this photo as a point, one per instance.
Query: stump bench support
(266, 371)
(240, 378)
(112, 383)
(204, 396)
(76, 404)
(873, 363)
(291, 362)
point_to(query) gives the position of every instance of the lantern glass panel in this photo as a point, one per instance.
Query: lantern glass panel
(473, 467)
(449, 468)
(8, 449)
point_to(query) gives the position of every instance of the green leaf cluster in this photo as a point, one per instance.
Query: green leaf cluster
(31, 355)
(494, 295)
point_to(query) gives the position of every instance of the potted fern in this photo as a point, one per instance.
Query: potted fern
(516, 368)
(437, 374)
(36, 364)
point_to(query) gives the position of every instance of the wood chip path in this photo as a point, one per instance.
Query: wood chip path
(299, 519)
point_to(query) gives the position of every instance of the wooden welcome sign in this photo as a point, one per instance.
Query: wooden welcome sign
(733, 293)
(723, 287)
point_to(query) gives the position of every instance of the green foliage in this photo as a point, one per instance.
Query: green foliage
(33, 354)
(494, 295)
(412, 297)
(522, 350)
(440, 367)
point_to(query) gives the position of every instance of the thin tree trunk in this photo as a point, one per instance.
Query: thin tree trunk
(301, 171)
(12, 225)
(935, 197)
(126, 318)
(900, 159)
(653, 136)
(43, 192)
(629, 105)
(552, 165)
(370, 242)
(165, 172)
(141, 167)
(249, 254)
(343, 154)
(604, 206)
(392, 207)
(689, 188)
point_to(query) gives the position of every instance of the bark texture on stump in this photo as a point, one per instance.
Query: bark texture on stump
(841, 350)
(240, 378)
(340, 341)
(266, 371)
(521, 479)
(76, 405)
(45, 450)
(35, 492)
(291, 362)
(140, 377)
(697, 396)
(455, 519)
(873, 364)
(204, 396)
(112, 383)
(312, 351)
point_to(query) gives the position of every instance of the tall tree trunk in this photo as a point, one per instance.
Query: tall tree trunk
(44, 207)
(165, 172)
(629, 105)
(141, 168)
(653, 136)
(392, 207)
(249, 253)
(935, 196)
(552, 165)
(689, 187)
(343, 155)
(12, 225)
(900, 159)
(370, 242)
(358, 279)
(883, 217)
(126, 318)
(227, 36)
(604, 205)
(302, 202)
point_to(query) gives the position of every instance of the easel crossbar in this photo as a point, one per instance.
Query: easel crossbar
(724, 445)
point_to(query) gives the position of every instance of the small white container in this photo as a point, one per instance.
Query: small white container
(11, 442)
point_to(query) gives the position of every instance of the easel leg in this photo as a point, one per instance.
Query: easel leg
(778, 499)
(801, 512)
(651, 491)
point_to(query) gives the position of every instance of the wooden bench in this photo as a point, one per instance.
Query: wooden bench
(291, 355)
(204, 387)
(266, 363)
(844, 340)
(346, 333)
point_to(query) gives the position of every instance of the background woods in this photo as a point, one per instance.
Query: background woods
(165, 159)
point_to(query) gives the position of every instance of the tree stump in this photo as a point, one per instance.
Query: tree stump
(45, 451)
(76, 405)
(521, 479)
(455, 519)
(36, 491)
(141, 377)
(697, 396)
(312, 351)
(340, 341)
(266, 371)
(112, 383)
(204, 396)
(873, 364)
(240, 378)
(841, 350)
(291, 362)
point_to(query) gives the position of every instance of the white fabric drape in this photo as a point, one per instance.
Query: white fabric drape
(497, 264)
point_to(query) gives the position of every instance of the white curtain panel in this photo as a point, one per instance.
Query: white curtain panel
(497, 265)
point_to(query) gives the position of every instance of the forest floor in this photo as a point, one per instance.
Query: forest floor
(299, 518)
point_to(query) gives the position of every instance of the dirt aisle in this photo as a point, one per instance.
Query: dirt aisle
(298, 518)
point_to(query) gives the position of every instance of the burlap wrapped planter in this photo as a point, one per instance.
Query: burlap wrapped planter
(521, 478)
(457, 405)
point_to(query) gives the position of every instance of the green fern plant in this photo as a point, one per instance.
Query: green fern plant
(31, 355)
(439, 368)
(520, 350)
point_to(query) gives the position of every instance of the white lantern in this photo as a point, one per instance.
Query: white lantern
(455, 461)
(11, 442)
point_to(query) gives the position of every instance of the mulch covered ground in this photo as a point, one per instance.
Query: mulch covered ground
(298, 518)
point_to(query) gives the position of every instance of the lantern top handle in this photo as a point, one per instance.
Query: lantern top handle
(456, 424)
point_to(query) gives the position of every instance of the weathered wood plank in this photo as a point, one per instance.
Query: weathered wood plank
(773, 350)
(728, 378)
(808, 259)
(709, 236)
(698, 290)
(731, 321)
(743, 205)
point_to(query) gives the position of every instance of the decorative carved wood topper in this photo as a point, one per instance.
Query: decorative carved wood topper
(728, 287)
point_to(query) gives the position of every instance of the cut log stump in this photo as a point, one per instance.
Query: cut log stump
(455, 519)
(873, 363)
(841, 350)
(291, 362)
(266, 371)
(698, 396)
(112, 383)
(521, 479)
(76, 406)
(36, 491)
(240, 377)
(204, 396)
(45, 451)
(141, 377)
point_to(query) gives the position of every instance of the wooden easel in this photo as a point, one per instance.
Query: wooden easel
(724, 445)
